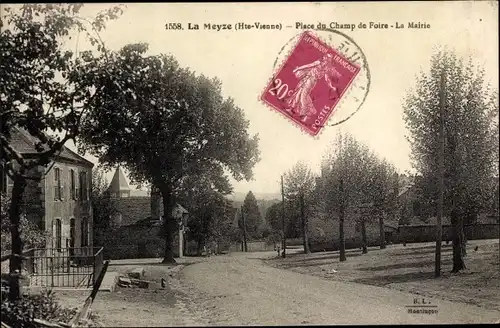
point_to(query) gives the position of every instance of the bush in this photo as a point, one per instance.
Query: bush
(31, 234)
(40, 306)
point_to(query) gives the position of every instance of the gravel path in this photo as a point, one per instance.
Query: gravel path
(239, 289)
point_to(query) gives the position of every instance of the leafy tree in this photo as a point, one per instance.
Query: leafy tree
(41, 90)
(173, 125)
(274, 218)
(31, 235)
(222, 229)
(252, 216)
(347, 180)
(471, 140)
(210, 213)
(103, 206)
(299, 185)
(382, 189)
(358, 182)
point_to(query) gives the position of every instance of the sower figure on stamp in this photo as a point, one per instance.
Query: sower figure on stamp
(309, 74)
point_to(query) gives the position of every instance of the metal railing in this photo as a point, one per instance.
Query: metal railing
(76, 267)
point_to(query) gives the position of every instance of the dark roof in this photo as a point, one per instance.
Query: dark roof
(119, 182)
(404, 189)
(24, 143)
(139, 193)
(418, 221)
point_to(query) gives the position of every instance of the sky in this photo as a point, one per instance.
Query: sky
(243, 61)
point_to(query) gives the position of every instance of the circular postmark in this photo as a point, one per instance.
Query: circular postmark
(347, 96)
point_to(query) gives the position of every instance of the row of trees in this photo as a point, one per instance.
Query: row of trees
(352, 177)
(452, 96)
(355, 178)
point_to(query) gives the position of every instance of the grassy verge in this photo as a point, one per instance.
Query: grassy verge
(411, 269)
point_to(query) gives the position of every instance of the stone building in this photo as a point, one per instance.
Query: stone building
(136, 225)
(59, 202)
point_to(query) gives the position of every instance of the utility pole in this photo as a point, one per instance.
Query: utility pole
(439, 228)
(304, 224)
(498, 216)
(283, 216)
(244, 230)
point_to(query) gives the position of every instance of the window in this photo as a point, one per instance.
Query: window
(83, 186)
(73, 184)
(57, 185)
(85, 232)
(71, 236)
(58, 234)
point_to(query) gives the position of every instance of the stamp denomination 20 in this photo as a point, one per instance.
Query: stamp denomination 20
(310, 83)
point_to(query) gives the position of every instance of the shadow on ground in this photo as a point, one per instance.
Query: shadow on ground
(395, 278)
(403, 265)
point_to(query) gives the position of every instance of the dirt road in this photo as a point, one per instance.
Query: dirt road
(239, 289)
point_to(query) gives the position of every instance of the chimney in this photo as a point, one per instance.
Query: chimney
(155, 203)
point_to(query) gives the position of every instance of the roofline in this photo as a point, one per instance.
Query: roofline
(81, 158)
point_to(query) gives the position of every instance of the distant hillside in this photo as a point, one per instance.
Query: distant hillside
(263, 204)
(240, 196)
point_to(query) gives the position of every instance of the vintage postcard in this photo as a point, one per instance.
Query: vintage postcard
(267, 163)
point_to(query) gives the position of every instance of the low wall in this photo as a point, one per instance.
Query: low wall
(427, 233)
(411, 234)
(134, 242)
(332, 246)
(253, 246)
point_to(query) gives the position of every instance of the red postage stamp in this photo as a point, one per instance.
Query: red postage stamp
(310, 83)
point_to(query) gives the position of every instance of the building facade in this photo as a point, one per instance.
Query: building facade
(59, 202)
(135, 228)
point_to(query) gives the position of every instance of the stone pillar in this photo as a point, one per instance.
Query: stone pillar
(155, 204)
(181, 241)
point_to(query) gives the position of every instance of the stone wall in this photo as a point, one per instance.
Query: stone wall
(324, 234)
(253, 246)
(134, 242)
(132, 209)
(427, 233)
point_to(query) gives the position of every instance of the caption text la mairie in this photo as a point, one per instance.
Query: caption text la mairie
(297, 25)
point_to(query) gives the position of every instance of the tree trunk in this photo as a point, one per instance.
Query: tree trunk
(305, 238)
(342, 239)
(15, 265)
(185, 245)
(382, 232)
(198, 252)
(363, 236)
(168, 224)
(243, 220)
(464, 243)
(458, 242)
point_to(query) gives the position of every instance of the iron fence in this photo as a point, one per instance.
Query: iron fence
(76, 267)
